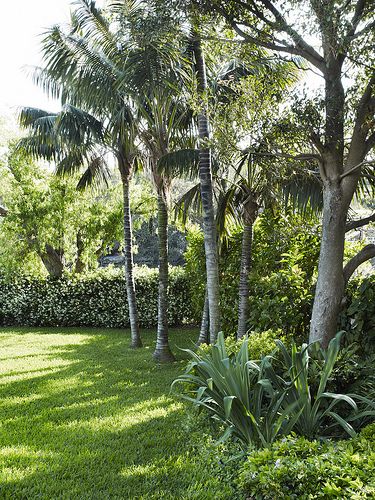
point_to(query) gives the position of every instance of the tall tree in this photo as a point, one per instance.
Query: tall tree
(342, 146)
(83, 67)
(205, 177)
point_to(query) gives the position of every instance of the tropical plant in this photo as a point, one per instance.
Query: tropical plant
(258, 401)
(237, 392)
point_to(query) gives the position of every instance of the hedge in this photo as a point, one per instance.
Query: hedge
(95, 300)
(301, 469)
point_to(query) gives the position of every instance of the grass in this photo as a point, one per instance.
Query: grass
(82, 416)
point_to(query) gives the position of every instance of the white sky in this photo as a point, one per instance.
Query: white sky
(21, 26)
(22, 23)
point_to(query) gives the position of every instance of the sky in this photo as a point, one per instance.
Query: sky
(22, 24)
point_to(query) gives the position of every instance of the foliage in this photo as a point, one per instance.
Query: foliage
(257, 401)
(358, 318)
(259, 344)
(84, 416)
(47, 210)
(285, 253)
(238, 393)
(297, 468)
(96, 299)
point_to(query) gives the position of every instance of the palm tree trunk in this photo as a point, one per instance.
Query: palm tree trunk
(129, 278)
(243, 300)
(205, 324)
(205, 176)
(162, 351)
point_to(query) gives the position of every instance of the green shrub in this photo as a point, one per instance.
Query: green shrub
(301, 469)
(97, 300)
(358, 317)
(238, 393)
(258, 343)
(285, 253)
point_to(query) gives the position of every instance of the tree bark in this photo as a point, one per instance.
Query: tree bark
(79, 265)
(52, 260)
(163, 352)
(330, 283)
(205, 324)
(243, 301)
(128, 253)
(367, 253)
(205, 176)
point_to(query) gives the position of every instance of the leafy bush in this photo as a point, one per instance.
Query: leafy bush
(358, 318)
(301, 469)
(259, 344)
(98, 299)
(285, 253)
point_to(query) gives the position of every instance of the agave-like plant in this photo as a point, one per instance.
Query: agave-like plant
(258, 402)
(319, 410)
(237, 392)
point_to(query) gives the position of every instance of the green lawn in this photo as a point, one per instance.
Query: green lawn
(83, 416)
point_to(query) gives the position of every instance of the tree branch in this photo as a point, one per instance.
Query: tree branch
(367, 253)
(355, 224)
(300, 48)
(352, 170)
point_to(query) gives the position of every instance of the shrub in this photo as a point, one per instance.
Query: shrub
(96, 300)
(237, 392)
(285, 253)
(358, 318)
(301, 469)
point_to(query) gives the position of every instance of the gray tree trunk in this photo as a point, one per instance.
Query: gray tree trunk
(205, 324)
(330, 284)
(53, 261)
(163, 352)
(205, 176)
(129, 277)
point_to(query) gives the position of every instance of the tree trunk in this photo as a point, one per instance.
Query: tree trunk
(205, 324)
(52, 260)
(205, 176)
(129, 278)
(162, 352)
(243, 301)
(330, 283)
(79, 265)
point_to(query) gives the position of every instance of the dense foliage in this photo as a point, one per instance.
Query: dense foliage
(299, 468)
(97, 299)
(257, 401)
(285, 254)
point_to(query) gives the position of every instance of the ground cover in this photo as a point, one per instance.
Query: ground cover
(84, 416)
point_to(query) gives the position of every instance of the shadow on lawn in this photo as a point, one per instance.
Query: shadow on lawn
(100, 426)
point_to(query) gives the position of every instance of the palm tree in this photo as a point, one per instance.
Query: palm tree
(117, 74)
(205, 177)
(83, 68)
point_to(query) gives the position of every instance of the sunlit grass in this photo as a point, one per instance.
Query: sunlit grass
(83, 416)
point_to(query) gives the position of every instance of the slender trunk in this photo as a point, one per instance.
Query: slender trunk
(79, 265)
(205, 176)
(53, 261)
(205, 324)
(129, 278)
(330, 283)
(162, 351)
(243, 300)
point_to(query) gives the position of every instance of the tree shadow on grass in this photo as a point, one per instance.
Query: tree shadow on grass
(101, 426)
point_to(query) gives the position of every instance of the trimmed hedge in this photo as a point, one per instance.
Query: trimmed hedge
(301, 469)
(96, 300)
